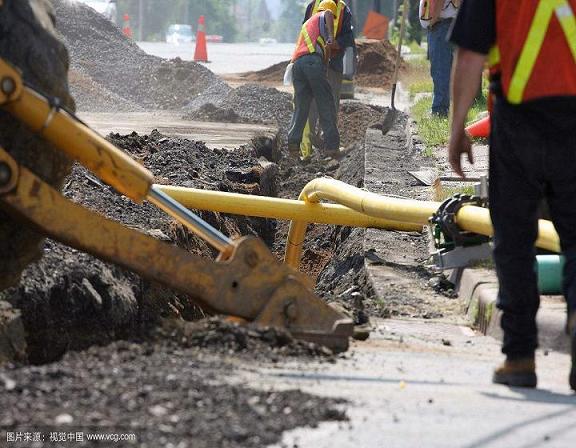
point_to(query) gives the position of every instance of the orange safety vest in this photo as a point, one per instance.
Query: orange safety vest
(309, 37)
(338, 20)
(535, 53)
(427, 6)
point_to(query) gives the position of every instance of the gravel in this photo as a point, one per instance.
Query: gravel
(99, 51)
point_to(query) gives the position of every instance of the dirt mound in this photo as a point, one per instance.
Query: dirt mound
(251, 102)
(162, 393)
(100, 51)
(354, 118)
(70, 300)
(93, 97)
(273, 74)
(210, 112)
(376, 61)
(228, 337)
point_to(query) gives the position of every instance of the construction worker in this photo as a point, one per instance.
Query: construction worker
(343, 38)
(436, 16)
(531, 48)
(310, 60)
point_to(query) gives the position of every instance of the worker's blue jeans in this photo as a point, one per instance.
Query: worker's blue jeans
(440, 55)
(529, 160)
(310, 82)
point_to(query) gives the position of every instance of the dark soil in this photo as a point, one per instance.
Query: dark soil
(163, 393)
(264, 343)
(99, 51)
(376, 61)
(354, 118)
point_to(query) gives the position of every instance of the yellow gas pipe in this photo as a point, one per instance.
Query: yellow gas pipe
(471, 218)
(278, 208)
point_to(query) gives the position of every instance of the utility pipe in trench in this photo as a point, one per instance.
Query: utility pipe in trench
(278, 208)
(470, 218)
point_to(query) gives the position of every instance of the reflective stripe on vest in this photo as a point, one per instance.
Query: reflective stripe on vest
(338, 20)
(533, 45)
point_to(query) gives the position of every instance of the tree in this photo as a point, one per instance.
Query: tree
(290, 21)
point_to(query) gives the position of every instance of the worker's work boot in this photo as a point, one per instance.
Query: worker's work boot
(572, 333)
(516, 373)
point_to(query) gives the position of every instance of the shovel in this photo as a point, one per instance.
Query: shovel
(391, 115)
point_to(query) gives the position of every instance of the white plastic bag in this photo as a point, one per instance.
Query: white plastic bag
(288, 74)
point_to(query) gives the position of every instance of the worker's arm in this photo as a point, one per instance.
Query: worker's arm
(346, 37)
(466, 77)
(329, 20)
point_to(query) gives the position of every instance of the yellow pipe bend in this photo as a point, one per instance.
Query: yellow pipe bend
(471, 218)
(278, 208)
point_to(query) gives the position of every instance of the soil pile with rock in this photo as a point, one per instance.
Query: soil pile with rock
(251, 103)
(101, 53)
(161, 393)
(354, 118)
(376, 60)
(267, 343)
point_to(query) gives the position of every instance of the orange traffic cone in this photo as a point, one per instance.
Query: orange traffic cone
(480, 128)
(126, 29)
(201, 53)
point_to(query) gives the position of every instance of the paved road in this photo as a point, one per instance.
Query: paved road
(424, 384)
(215, 135)
(226, 58)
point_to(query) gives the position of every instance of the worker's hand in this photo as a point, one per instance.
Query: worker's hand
(334, 47)
(459, 144)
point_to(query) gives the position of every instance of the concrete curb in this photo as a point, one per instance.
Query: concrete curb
(479, 292)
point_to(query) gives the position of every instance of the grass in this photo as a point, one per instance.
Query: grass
(435, 131)
(441, 192)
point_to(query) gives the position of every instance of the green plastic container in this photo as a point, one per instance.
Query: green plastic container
(550, 272)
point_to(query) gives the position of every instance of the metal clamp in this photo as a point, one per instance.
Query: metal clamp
(446, 228)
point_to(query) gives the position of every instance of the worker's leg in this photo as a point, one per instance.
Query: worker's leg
(561, 174)
(335, 81)
(316, 73)
(515, 192)
(440, 53)
(306, 148)
(312, 132)
(302, 98)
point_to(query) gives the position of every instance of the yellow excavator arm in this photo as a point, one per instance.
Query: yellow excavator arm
(246, 280)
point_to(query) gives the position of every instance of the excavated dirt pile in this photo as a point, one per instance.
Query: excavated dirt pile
(250, 103)
(376, 61)
(70, 300)
(102, 59)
